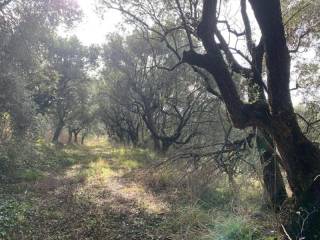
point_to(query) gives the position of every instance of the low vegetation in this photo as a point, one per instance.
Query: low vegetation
(98, 190)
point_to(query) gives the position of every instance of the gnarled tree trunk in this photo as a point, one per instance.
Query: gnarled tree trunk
(299, 157)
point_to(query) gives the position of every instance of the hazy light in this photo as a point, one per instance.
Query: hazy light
(94, 27)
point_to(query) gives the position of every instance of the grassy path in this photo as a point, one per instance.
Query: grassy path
(92, 198)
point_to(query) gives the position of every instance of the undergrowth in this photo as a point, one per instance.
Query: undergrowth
(199, 209)
(13, 217)
(211, 211)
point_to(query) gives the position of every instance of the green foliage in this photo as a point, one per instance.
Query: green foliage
(13, 159)
(53, 157)
(13, 214)
(193, 222)
(139, 99)
(25, 28)
(132, 158)
(237, 231)
(32, 160)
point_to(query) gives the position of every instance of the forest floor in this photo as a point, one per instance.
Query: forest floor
(92, 192)
(94, 198)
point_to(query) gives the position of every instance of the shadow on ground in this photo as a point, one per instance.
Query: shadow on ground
(91, 199)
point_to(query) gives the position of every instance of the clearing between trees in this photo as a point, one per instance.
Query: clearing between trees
(99, 191)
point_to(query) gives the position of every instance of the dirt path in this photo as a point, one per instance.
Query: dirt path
(93, 200)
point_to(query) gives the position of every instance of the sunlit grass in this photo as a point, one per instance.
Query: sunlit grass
(144, 199)
(99, 169)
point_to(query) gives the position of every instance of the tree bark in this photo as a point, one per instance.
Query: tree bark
(57, 132)
(272, 177)
(301, 160)
(273, 180)
(299, 157)
(76, 137)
